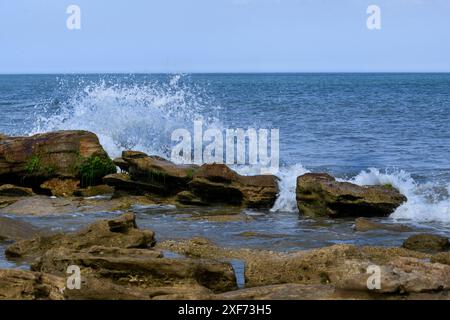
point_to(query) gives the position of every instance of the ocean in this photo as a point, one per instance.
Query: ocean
(363, 128)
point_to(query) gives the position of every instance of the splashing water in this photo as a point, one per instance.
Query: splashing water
(140, 117)
(426, 202)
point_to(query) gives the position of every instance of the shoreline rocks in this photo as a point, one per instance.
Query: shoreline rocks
(31, 161)
(427, 243)
(319, 194)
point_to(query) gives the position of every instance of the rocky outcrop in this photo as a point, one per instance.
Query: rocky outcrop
(319, 194)
(27, 285)
(427, 243)
(364, 224)
(9, 190)
(138, 268)
(151, 173)
(217, 183)
(12, 229)
(210, 184)
(121, 232)
(30, 161)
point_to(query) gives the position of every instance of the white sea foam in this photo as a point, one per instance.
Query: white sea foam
(426, 202)
(140, 117)
(286, 201)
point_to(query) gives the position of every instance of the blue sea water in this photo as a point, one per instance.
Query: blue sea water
(365, 128)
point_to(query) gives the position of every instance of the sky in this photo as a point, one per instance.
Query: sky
(128, 36)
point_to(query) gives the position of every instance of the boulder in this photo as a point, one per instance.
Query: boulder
(319, 194)
(63, 154)
(13, 229)
(153, 173)
(364, 224)
(27, 285)
(139, 268)
(218, 184)
(9, 190)
(427, 243)
(120, 232)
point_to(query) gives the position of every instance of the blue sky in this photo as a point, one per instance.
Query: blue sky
(224, 36)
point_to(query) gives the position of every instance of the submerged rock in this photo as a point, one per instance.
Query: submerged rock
(33, 160)
(319, 194)
(120, 232)
(12, 229)
(427, 243)
(9, 190)
(364, 224)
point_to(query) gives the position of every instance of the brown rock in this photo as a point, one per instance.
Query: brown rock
(121, 232)
(123, 182)
(61, 187)
(427, 243)
(9, 190)
(364, 224)
(217, 183)
(154, 173)
(33, 160)
(141, 268)
(26, 285)
(319, 194)
(13, 229)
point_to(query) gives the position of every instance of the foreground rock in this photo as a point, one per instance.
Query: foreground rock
(30, 161)
(121, 232)
(363, 225)
(141, 269)
(12, 229)
(27, 285)
(344, 267)
(319, 194)
(427, 243)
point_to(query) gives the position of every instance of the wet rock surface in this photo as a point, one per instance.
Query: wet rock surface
(319, 194)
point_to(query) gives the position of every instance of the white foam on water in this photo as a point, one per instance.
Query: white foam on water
(132, 117)
(428, 202)
(286, 201)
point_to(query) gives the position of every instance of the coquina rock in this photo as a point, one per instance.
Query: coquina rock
(319, 194)
(217, 183)
(28, 285)
(32, 160)
(120, 232)
(138, 268)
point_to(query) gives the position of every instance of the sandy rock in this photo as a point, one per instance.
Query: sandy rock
(94, 191)
(120, 232)
(427, 243)
(9, 190)
(364, 224)
(319, 194)
(27, 285)
(123, 182)
(141, 268)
